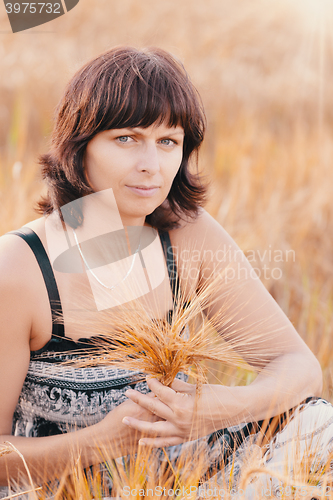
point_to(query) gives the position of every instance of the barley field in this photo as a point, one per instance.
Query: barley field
(263, 69)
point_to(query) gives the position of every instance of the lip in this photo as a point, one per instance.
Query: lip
(145, 191)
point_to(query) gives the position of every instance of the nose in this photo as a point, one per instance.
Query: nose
(148, 160)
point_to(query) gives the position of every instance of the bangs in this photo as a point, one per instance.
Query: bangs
(141, 103)
(139, 89)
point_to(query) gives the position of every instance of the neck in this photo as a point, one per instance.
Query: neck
(133, 221)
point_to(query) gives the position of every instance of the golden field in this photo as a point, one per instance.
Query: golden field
(263, 69)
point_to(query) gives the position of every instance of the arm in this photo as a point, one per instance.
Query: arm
(48, 458)
(45, 455)
(261, 333)
(257, 328)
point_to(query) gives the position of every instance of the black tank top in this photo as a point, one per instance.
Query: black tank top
(57, 398)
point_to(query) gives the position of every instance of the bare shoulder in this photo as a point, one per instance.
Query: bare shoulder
(14, 259)
(21, 287)
(20, 275)
(200, 234)
(195, 244)
(204, 248)
(17, 261)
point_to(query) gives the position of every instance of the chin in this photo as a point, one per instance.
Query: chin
(142, 211)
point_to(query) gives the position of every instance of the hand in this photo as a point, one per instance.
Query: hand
(124, 439)
(184, 415)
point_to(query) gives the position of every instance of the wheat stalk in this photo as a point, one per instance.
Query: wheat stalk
(130, 338)
(7, 448)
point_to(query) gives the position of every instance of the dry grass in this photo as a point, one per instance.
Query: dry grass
(146, 475)
(129, 337)
(7, 448)
(264, 72)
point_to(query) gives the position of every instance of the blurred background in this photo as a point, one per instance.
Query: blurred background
(263, 69)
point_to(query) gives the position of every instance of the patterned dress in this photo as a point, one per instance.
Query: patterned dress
(56, 399)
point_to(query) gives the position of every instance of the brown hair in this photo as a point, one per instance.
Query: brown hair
(124, 87)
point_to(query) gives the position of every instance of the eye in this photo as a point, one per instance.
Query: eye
(167, 142)
(123, 138)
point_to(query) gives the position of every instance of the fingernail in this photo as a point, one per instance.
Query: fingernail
(142, 443)
(126, 421)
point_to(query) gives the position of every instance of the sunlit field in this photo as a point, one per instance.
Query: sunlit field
(264, 71)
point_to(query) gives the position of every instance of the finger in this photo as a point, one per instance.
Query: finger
(159, 428)
(181, 386)
(160, 442)
(154, 405)
(164, 393)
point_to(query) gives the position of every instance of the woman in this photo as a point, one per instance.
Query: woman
(129, 122)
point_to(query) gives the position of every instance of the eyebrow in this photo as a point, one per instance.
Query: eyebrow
(177, 132)
(137, 130)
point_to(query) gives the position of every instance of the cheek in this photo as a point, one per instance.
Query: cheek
(100, 170)
(174, 166)
(175, 169)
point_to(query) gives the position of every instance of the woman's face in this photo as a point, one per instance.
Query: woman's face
(139, 164)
